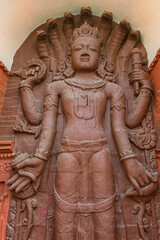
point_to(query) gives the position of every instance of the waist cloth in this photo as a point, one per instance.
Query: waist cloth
(84, 146)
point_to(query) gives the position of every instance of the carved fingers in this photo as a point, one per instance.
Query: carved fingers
(18, 183)
(29, 162)
(26, 172)
(137, 75)
(12, 180)
(32, 79)
(146, 180)
(24, 182)
(136, 185)
(138, 175)
(151, 177)
(31, 168)
(33, 73)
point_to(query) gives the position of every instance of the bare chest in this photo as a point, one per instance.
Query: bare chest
(83, 103)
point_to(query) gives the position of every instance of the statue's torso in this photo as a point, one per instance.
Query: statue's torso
(84, 110)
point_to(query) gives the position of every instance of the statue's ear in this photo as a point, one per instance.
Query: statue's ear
(101, 72)
(69, 72)
(61, 66)
(102, 62)
(111, 67)
(68, 61)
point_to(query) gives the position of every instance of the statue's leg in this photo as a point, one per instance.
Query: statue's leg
(102, 189)
(67, 176)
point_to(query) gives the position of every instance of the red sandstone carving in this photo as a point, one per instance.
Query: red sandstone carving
(3, 81)
(84, 73)
(154, 75)
(6, 152)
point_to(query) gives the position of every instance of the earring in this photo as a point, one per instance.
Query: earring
(101, 71)
(69, 72)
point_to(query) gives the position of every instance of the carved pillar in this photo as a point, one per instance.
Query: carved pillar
(6, 150)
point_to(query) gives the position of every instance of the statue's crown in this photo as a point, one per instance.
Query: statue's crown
(86, 31)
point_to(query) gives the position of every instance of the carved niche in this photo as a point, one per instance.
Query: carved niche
(72, 178)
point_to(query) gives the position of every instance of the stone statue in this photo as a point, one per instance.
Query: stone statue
(83, 86)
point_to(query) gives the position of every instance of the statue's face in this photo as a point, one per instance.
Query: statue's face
(85, 54)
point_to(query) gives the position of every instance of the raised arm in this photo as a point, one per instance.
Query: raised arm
(32, 74)
(135, 171)
(143, 100)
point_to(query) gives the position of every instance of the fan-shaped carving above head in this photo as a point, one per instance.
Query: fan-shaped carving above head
(118, 39)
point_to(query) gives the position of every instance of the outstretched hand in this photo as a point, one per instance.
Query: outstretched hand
(138, 175)
(25, 173)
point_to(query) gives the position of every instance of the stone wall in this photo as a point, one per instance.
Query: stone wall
(6, 149)
(3, 81)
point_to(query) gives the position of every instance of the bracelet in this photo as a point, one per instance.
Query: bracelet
(127, 155)
(148, 88)
(25, 85)
(118, 106)
(145, 92)
(41, 154)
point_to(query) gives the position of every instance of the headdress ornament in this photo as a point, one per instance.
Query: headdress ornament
(86, 31)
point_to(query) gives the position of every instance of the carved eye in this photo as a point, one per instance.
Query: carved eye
(93, 49)
(77, 48)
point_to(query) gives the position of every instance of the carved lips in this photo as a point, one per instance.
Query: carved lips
(85, 58)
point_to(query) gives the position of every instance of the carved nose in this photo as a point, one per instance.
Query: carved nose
(85, 50)
(85, 54)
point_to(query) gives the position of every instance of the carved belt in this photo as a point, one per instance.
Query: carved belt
(84, 143)
(84, 207)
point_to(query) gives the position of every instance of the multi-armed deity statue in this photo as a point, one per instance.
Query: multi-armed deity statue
(87, 160)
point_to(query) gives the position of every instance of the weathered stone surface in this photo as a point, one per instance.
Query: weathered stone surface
(67, 179)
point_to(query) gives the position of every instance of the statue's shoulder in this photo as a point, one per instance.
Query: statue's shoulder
(114, 88)
(55, 86)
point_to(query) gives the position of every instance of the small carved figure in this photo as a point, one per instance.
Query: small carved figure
(84, 183)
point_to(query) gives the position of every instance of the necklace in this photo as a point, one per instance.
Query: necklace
(86, 86)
